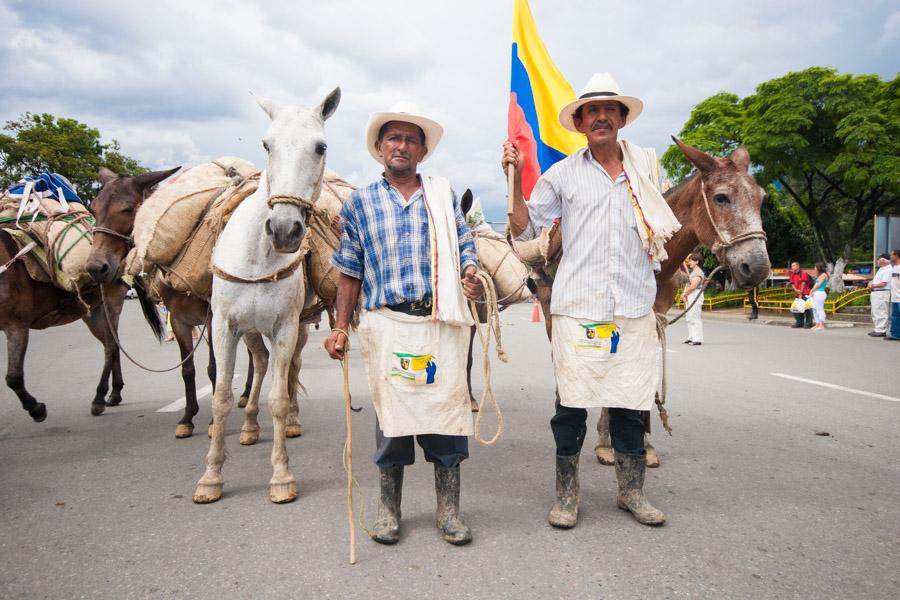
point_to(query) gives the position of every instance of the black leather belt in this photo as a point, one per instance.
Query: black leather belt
(416, 308)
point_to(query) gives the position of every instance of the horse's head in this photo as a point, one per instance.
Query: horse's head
(295, 144)
(114, 209)
(727, 219)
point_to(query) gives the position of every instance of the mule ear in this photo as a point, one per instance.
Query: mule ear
(267, 105)
(105, 175)
(465, 202)
(146, 180)
(699, 158)
(330, 103)
(741, 158)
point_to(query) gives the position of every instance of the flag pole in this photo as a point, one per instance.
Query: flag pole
(511, 189)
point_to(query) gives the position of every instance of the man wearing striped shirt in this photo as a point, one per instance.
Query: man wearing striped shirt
(605, 346)
(415, 356)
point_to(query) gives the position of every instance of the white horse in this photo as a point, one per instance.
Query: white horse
(259, 288)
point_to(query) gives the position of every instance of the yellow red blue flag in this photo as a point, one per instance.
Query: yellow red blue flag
(537, 93)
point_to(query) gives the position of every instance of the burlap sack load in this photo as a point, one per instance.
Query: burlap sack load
(64, 240)
(325, 236)
(169, 216)
(497, 258)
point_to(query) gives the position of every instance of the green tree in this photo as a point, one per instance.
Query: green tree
(66, 146)
(830, 141)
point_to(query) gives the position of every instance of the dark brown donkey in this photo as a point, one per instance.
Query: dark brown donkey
(115, 208)
(27, 304)
(718, 207)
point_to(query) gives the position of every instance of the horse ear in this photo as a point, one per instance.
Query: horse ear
(699, 158)
(741, 158)
(271, 108)
(330, 103)
(465, 203)
(146, 180)
(105, 176)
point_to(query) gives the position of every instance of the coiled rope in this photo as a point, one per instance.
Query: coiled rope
(492, 328)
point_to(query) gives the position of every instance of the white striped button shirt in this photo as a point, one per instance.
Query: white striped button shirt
(604, 270)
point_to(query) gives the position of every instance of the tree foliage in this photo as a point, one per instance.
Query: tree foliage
(66, 146)
(829, 142)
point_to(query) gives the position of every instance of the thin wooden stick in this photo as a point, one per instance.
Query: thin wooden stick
(348, 454)
(510, 187)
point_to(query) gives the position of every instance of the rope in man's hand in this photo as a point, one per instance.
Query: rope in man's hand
(493, 328)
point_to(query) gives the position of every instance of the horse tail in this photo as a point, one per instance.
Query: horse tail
(148, 307)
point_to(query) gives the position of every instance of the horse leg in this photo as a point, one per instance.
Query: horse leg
(182, 333)
(248, 386)
(603, 449)
(209, 488)
(96, 322)
(116, 293)
(259, 356)
(282, 486)
(16, 345)
(293, 428)
(210, 366)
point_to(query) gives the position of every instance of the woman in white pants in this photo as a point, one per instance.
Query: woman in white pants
(818, 295)
(688, 296)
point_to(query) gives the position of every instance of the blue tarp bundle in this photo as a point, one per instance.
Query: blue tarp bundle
(47, 185)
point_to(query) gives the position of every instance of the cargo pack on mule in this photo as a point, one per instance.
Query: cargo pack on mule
(176, 229)
(52, 228)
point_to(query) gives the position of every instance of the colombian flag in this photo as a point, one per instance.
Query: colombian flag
(537, 93)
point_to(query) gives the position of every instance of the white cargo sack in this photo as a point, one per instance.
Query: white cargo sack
(325, 237)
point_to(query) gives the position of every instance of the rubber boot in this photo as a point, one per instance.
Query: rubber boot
(630, 475)
(564, 513)
(387, 526)
(754, 314)
(446, 486)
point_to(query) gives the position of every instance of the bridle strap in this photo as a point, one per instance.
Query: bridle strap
(289, 199)
(271, 278)
(722, 242)
(126, 238)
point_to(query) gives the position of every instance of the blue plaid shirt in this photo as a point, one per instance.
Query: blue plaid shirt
(385, 244)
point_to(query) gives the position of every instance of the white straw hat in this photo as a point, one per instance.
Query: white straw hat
(406, 112)
(602, 86)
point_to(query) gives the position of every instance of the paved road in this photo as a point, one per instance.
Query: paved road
(758, 505)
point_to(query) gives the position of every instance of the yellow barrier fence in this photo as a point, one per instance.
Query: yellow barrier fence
(779, 299)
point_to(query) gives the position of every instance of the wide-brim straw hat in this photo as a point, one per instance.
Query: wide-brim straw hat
(602, 86)
(406, 112)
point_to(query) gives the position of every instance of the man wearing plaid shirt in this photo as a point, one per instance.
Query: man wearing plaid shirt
(386, 253)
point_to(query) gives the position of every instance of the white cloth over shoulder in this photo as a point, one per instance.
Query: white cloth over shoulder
(450, 304)
(416, 368)
(612, 365)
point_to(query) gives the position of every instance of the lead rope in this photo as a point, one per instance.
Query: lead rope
(493, 328)
(347, 457)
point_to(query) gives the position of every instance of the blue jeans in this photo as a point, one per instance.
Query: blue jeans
(895, 319)
(626, 430)
(446, 450)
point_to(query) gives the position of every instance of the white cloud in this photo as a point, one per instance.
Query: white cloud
(169, 79)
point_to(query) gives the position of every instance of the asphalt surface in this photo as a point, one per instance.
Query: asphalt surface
(759, 505)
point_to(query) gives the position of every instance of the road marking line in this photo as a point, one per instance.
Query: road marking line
(837, 387)
(182, 402)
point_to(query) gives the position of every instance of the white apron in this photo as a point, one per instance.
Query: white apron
(606, 364)
(417, 373)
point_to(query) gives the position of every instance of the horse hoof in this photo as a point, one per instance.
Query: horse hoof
(652, 458)
(183, 430)
(282, 493)
(114, 401)
(207, 493)
(474, 405)
(242, 403)
(39, 412)
(98, 408)
(293, 430)
(248, 438)
(605, 456)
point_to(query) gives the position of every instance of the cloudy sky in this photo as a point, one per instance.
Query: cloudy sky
(169, 79)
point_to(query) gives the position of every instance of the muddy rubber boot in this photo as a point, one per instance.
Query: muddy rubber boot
(630, 475)
(446, 486)
(387, 526)
(564, 513)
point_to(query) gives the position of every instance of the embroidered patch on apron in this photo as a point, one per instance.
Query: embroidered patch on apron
(414, 368)
(599, 338)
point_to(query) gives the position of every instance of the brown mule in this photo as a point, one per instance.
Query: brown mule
(115, 208)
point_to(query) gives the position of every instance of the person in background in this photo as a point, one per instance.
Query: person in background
(753, 299)
(895, 297)
(880, 296)
(801, 282)
(818, 295)
(692, 296)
